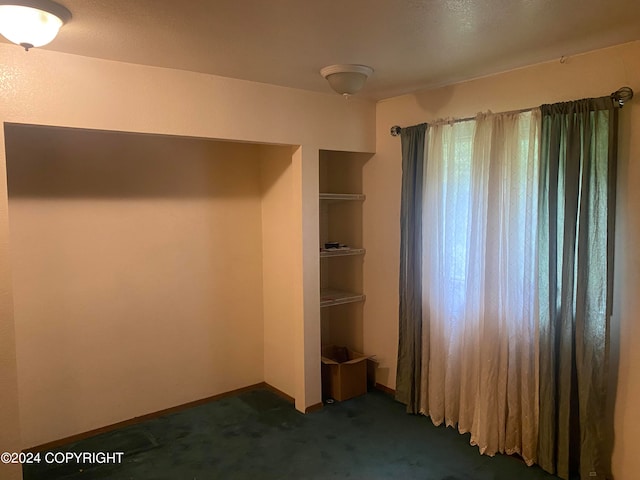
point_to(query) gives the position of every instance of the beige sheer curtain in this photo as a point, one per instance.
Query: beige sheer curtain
(479, 347)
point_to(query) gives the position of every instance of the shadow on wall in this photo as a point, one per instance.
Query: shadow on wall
(430, 104)
(54, 162)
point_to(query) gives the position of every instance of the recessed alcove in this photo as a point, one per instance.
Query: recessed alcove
(148, 271)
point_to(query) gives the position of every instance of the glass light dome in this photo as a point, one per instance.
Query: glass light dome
(29, 26)
(346, 79)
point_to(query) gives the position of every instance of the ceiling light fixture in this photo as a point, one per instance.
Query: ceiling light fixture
(346, 79)
(31, 23)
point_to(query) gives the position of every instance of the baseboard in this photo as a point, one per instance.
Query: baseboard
(291, 400)
(385, 389)
(150, 416)
(280, 393)
(313, 408)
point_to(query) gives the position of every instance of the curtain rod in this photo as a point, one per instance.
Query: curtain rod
(619, 97)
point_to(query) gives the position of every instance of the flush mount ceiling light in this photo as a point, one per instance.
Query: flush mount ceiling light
(31, 23)
(346, 79)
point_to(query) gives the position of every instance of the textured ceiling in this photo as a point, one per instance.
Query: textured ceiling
(411, 44)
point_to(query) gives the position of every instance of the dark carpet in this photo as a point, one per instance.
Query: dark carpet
(257, 435)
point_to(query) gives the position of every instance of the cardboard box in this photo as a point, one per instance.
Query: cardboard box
(344, 373)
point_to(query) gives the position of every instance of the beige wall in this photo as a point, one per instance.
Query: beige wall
(289, 179)
(305, 285)
(48, 88)
(10, 438)
(278, 267)
(137, 274)
(594, 74)
(51, 88)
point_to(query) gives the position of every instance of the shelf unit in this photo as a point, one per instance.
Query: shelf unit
(342, 298)
(341, 282)
(338, 221)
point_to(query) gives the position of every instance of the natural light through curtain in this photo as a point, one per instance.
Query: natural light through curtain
(479, 339)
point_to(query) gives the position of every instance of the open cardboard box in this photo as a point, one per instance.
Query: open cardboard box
(344, 373)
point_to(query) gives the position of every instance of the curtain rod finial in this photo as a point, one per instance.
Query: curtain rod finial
(395, 131)
(622, 96)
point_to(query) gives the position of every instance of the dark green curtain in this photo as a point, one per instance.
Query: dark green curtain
(577, 204)
(410, 327)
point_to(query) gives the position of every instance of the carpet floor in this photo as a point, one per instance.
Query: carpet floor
(258, 435)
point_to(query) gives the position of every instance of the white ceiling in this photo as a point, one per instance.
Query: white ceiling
(411, 44)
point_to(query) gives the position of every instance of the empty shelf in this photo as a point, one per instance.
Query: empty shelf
(342, 196)
(341, 252)
(329, 297)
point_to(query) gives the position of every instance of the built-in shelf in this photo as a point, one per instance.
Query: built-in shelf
(342, 196)
(341, 252)
(329, 297)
